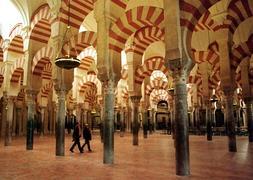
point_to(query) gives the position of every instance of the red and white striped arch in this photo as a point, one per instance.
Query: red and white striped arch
(2, 71)
(251, 79)
(1, 55)
(156, 84)
(21, 95)
(159, 95)
(197, 80)
(124, 93)
(146, 36)
(17, 70)
(191, 11)
(210, 56)
(89, 78)
(41, 24)
(46, 89)
(47, 71)
(41, 58)
(238, 11)
(17, 37)
(79, 9)
(240, 52)
(80, 42)
(131, 21)
(206, 23)
(1, 49)
(238, 77)
(151, 64)
(88, 56)
(214, 80)
(90, 93)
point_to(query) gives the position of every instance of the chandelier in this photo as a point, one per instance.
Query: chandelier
(67, 61)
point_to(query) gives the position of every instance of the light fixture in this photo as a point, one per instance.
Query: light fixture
(67, 61)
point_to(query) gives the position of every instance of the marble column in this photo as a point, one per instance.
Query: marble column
(31, 94)
(43, 125)
(24, 118)
(19, 119)
(153, 120)
(9, 105)
(145, 124)
(4, 113)
(209, 131)
(60, 123)
(181, 125)
(14, 120)
(122, 123)
(230, 121)
(135, 123)
(249, 110)
(108, 131)
(172, 111)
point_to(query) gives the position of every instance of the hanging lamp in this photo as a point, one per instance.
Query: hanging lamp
(67, 61)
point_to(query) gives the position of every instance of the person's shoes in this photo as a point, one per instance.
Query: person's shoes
(81, 151)
(90, 150)
(71, 150)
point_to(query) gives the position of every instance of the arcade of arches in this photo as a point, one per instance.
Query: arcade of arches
(184, 66)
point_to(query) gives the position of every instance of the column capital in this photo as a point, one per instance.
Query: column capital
(135, 99)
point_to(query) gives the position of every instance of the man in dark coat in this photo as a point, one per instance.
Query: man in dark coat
(76, 138)
(86, 136)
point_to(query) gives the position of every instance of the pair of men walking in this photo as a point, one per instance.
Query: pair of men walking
(77, 135)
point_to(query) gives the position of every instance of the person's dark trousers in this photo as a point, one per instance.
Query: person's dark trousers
(88, 144)
(77, 142)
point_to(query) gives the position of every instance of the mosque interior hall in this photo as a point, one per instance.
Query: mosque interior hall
(165, 86)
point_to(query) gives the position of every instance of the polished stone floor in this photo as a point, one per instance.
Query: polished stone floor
(153, 159)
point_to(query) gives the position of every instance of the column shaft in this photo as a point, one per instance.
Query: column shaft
(209, 131)
(249, 111)
(108, 122)
(230, 123)
(42, 120)
(30, 118)
(60, 124)
(9, 118)
(181, 129)
(145, 124)
(135, 123)
(19, 119)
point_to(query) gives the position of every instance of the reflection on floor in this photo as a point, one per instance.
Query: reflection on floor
(152, 159)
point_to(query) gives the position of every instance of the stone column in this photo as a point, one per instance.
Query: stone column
(135, 123)
(19, 119)
(43, 125)
(108, 136)
(4, 113)
(153, 120)
(172, 111)
(209, 131)
(230, 121)
(9, 104)
(181, 124)
(31, 94)
(145, 123)
(24, 118)
(14, 120)
(122, 123)
(249, 110)
(60, 123)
